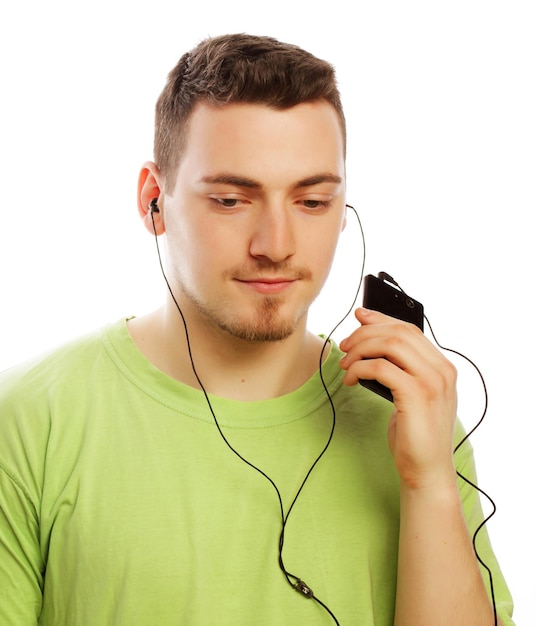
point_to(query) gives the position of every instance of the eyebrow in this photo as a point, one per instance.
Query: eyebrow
(242, 181)
(231, 179)
(318, 179)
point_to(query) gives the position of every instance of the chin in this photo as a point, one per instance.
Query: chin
(261, 335)
(268, 320)
(264, 329)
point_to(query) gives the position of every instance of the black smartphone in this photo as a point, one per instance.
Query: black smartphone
(381, 295)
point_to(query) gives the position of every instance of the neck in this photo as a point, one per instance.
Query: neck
(226, 366)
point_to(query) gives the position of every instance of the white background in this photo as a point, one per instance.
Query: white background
(440, 99)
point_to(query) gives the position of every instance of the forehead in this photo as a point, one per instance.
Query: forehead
(263, 142)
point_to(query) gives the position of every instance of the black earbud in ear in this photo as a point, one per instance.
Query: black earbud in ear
(153, 206)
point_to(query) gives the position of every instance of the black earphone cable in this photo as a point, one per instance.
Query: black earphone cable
(467, 480)
(386, 276)
(293, 580)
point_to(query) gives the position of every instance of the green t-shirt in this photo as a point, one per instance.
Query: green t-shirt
(121, 504)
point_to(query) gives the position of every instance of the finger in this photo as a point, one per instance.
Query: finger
(368, 318)
(385, 351)
(364, 316)
(396, 341)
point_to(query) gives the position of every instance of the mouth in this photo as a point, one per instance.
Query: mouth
(269, 285)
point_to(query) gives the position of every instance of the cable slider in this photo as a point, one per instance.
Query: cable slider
(302, 588)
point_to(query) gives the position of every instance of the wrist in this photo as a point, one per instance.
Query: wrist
(441, 481)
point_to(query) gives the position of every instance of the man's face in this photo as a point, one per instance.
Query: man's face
(253, 220)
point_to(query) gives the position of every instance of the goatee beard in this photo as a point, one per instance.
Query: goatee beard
(268, 327)
(266, 323)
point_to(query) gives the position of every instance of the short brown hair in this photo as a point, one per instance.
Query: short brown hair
(237, 68)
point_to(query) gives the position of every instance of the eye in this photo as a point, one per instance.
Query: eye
(315, 205)
(227, 202)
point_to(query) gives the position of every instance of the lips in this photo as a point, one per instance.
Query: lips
(268, 285)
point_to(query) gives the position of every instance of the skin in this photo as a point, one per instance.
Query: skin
(251, 224)
(438, 577)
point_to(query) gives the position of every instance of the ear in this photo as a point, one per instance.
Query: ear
(148, 188)
(344, 221)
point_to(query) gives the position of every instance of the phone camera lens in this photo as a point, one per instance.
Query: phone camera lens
(410, 303)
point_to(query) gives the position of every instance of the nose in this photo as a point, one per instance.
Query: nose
(273, 235)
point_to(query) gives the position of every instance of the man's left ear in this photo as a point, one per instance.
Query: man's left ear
(149, 192)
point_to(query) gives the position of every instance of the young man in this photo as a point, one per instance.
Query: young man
(198, 465)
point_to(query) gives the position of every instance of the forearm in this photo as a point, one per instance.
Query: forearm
(439, 577)
(439, 581)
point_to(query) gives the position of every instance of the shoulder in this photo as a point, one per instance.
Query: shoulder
(60, 370)
(41, 398)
